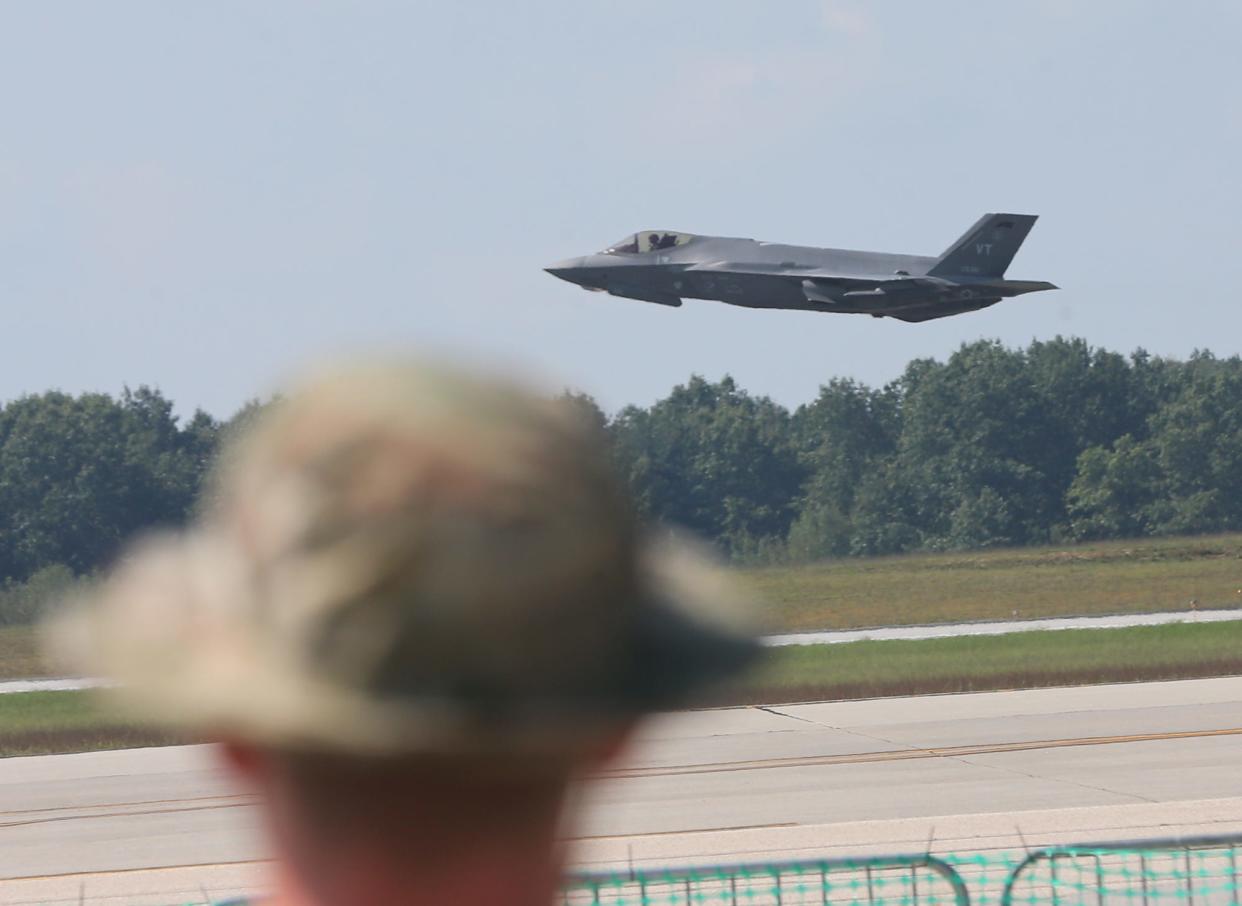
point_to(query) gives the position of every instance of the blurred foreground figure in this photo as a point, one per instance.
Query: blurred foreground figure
(419, 607)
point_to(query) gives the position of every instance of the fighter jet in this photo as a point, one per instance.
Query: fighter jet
(665, 267)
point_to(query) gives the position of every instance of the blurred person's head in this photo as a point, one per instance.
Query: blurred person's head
(418, 607)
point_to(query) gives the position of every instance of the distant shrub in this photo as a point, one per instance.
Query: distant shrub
(24, 602)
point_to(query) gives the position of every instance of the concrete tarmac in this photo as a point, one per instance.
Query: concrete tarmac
(965, 771)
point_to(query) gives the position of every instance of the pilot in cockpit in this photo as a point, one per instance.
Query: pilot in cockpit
(640, 243)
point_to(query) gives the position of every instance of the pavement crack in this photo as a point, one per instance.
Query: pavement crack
(779, 713)
(852, 731)
(967, 760)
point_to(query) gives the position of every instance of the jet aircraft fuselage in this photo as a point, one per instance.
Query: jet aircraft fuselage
(666, 267)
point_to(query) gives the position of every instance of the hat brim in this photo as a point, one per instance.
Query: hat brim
(209, 679)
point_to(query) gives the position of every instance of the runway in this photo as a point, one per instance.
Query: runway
(999, 627)
(963, 771)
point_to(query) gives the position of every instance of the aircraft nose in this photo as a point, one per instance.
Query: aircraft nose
(570, 269)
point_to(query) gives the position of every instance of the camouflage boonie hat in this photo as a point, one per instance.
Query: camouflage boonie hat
(402, 559)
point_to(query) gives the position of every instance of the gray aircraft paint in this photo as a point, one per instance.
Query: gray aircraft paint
(665, 267)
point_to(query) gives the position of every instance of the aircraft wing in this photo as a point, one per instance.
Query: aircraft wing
(832, 287)
(790, 273)
(923, 297)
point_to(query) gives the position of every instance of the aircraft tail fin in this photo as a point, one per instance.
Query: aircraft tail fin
(986, 249)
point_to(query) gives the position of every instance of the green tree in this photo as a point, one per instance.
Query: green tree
(1197, 441)
(1088, 397)
(26, 602)
(974, 424)
(713, 459)
(80, 475)
(225, 436)
(1115, 492)
(842, 436)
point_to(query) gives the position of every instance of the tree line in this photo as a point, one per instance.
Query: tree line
(1056, 442)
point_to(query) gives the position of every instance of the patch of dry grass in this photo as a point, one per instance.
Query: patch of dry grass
(1023, 660)
(1110, 577)
(41, 723)
(87, 739)
(19, 653)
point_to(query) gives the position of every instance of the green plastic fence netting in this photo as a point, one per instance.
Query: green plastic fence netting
(1201, 872)
(900, 880)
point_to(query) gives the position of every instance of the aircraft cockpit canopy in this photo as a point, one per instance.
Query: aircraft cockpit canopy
(647, 241)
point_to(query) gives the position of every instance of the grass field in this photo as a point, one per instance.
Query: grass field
(41, 722)
(37, 723)
(19, 657)
(1021, 660)
(1110, 577)
(1115, 577)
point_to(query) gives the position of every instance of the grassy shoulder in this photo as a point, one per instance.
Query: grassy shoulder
(1022, 660)
(41, 723)
(45, 722)
(1110, 577)
(19, 653)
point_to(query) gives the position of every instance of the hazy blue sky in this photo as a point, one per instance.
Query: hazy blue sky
(201, 196)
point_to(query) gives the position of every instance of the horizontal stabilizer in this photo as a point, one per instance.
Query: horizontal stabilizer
(1018, 287)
